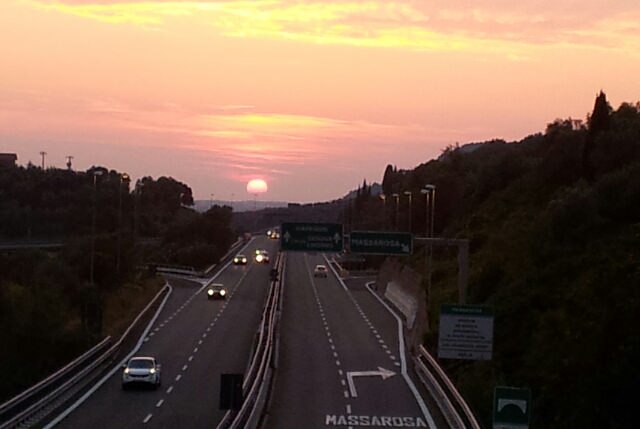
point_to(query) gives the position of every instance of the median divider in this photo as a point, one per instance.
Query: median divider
(258, 380)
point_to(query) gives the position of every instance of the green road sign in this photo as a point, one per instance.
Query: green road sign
(381, 243)
(511, 408)
(311, 237)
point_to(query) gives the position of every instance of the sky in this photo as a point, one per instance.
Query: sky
(312, 96)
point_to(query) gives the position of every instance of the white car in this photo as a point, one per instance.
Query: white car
(320, 271)
(141, 370)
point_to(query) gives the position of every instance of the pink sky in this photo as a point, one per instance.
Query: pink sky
(311, 96)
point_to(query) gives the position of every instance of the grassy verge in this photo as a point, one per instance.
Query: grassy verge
(122, 307)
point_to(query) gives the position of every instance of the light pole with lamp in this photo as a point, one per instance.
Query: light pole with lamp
(410, 195)
(383, 197)
(397, 198)
(124, 178)
(430, 193)
(93, 224)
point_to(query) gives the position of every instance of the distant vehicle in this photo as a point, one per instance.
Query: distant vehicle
(262, 256)
(320, 271)
(273, 234)
(216, 291)
(240, 260)
(141, 370)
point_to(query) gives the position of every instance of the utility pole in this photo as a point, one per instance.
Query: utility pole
(69, 158)
(43, 153)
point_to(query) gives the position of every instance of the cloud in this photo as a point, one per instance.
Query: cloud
(503, 27)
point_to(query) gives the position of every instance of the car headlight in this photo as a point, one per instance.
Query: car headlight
(244, 260)
(152, 371)
(259, 258)
(210, 292)
(126, 370)
(223, 292)
(257, 251)
(235, 259)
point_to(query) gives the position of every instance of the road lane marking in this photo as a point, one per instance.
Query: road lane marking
(190, 358)
(146, 419)
(346, 394)
(178, 377)
(159, 404)
(169, 389)
(348, 408)
(195, 350)
(403, 362)
(184, 367)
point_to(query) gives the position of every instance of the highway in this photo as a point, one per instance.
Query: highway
(195, 341)
(339, 363)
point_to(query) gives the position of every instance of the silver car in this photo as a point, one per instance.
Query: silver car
(141, 370)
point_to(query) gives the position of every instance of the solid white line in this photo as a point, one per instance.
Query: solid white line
(117, 367)
(169, 389)
(146, 419)
(403, 360)
(159, 404)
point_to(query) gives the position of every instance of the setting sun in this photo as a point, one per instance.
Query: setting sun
(257, 186)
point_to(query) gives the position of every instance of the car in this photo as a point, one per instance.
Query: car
(216, 291)
(274, 234)
(320, 271)
(262, 256)
(141, 370)
(240, 260)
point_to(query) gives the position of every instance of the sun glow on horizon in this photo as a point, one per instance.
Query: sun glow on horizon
(257, 186)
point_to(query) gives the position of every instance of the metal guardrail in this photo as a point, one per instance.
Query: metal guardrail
(42, 403)
(454, 409)
(260, 373)
(21, 401)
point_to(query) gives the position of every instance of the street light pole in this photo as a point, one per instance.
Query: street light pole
(123, 178)
(93, 224)
(430, 192)
(397, 198)
(409, 194)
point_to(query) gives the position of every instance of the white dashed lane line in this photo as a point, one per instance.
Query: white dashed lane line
(169, 389)
(159, 404)
(146, 419)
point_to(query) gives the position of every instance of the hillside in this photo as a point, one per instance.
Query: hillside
(554, 224)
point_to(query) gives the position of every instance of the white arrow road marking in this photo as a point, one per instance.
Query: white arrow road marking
(381, 372)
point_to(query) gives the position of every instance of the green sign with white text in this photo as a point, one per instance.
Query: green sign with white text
(511, 408)
(311, 237)
(381, 243)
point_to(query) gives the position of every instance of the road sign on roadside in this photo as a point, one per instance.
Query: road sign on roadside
(511, 408)
(466, 332)
(231, 391)
(381, 243)
(311, 237)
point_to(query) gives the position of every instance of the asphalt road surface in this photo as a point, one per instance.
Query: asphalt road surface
(340, 363)
(195, 340)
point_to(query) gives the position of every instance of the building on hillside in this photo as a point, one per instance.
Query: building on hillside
(8, 159)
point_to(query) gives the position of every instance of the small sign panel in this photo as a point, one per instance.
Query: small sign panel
(511, 408)
(231, 391)
(466, 332)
